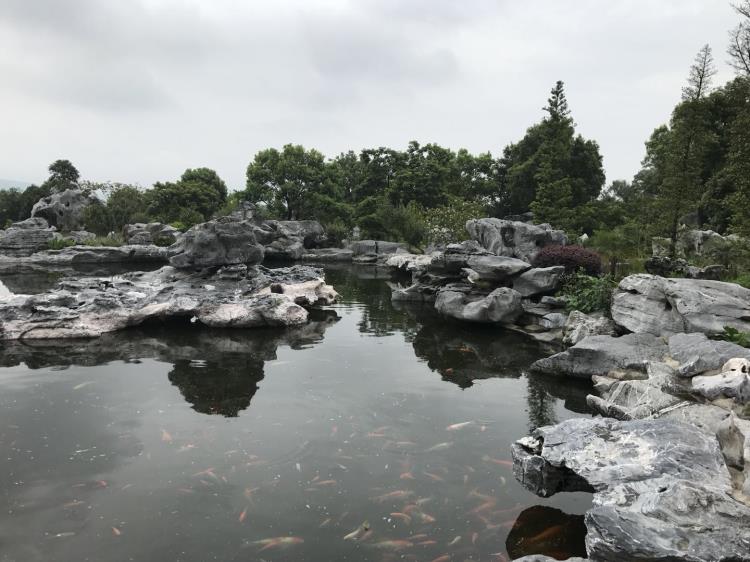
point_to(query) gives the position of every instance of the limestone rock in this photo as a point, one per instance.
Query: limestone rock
(514, 239)
(580, 326)
(221, 241)
(376, 247)
(64, 210)
(150, 233)
(666, 267)
(76, 255)
(288, 240)
(728, 384)
(600, 355)
(655, 305)
(698, 354)
(89, 307)
(539, 281)
(662, 489)
(328, 255)
(501, 306)
(26, 237)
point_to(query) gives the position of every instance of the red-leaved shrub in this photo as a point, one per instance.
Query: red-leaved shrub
(572, 257)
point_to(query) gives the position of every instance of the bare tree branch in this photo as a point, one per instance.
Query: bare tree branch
(701, 75)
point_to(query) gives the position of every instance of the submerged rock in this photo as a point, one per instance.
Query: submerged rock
(655, 305)
(662, 489)
(246, 298)
(80, 255)
(513, 238)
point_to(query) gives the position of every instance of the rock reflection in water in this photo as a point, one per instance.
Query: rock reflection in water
(547, 531)
(216, 371)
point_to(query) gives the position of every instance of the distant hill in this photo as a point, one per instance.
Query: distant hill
(7, 184)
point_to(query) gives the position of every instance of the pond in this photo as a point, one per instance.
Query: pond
(373, 433)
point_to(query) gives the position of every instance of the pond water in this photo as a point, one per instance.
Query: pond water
(373, 433)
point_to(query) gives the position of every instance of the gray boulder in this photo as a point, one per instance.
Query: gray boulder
(64, 210)
(727, 384)
(655, 305)
(288, 240)
(580, 326)
(26, 237)
(601, 355)
(666, 267)
(539, 281)
(150, 233)
(222, 241)
(502, 306)
(328, 255)
(662, 489)
(696, 353)
(80, 236)
(513, 238)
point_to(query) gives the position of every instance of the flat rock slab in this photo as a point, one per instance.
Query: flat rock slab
(662, 488)
(599, 355)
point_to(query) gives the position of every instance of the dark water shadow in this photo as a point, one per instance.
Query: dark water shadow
(547, 531)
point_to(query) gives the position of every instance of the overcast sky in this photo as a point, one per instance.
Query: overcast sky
(138, 90)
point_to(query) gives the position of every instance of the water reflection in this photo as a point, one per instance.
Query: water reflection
(177, 443)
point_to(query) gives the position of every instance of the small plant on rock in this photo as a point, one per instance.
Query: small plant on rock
(587, 293)
(735, 336)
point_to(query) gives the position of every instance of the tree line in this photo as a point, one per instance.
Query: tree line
(696, 170)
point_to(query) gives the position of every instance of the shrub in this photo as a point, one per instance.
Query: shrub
(573, 258)
(163, 241)
(60, 243)
(743, 280)
(448, 223)
(587, 293)
(336, 232)
(735, 336)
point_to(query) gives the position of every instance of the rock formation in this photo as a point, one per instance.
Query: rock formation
(513, 238)
(64, 210)
(26, 237)
(222, 241)
(156, 233)
(655, 305)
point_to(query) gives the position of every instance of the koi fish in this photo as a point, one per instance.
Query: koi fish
(434, 477)
(83, 385)
(326, 483)
(454, 542)
(457, 426)
(443, 558)
(406, 476)
(116, 532)
(165, 436)
(243, 515)
(440, 447)
(507, 464)
(278, 542)
(546, 534)
(397, 495)
(393, 545)
(358, 532)
(401, 517)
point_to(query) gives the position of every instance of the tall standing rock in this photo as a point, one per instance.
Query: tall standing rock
(64, 210)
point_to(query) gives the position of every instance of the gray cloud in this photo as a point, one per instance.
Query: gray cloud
(139, 90)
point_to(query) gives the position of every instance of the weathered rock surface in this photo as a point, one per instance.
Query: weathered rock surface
(80, 236)
(156, 233)
(600, 355)
(78, 255)
(409, 262)
(662, 489)
(288, 240)
(234, 296)
(222, 241)
(655, 305)
(502, 306)
(695, 244)
(512, 238)
(328, 255)
(666, 267)
(26, 237)
(697, 354)
(580, 326)
(539, 281)
(65, 209)
(375, 247)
